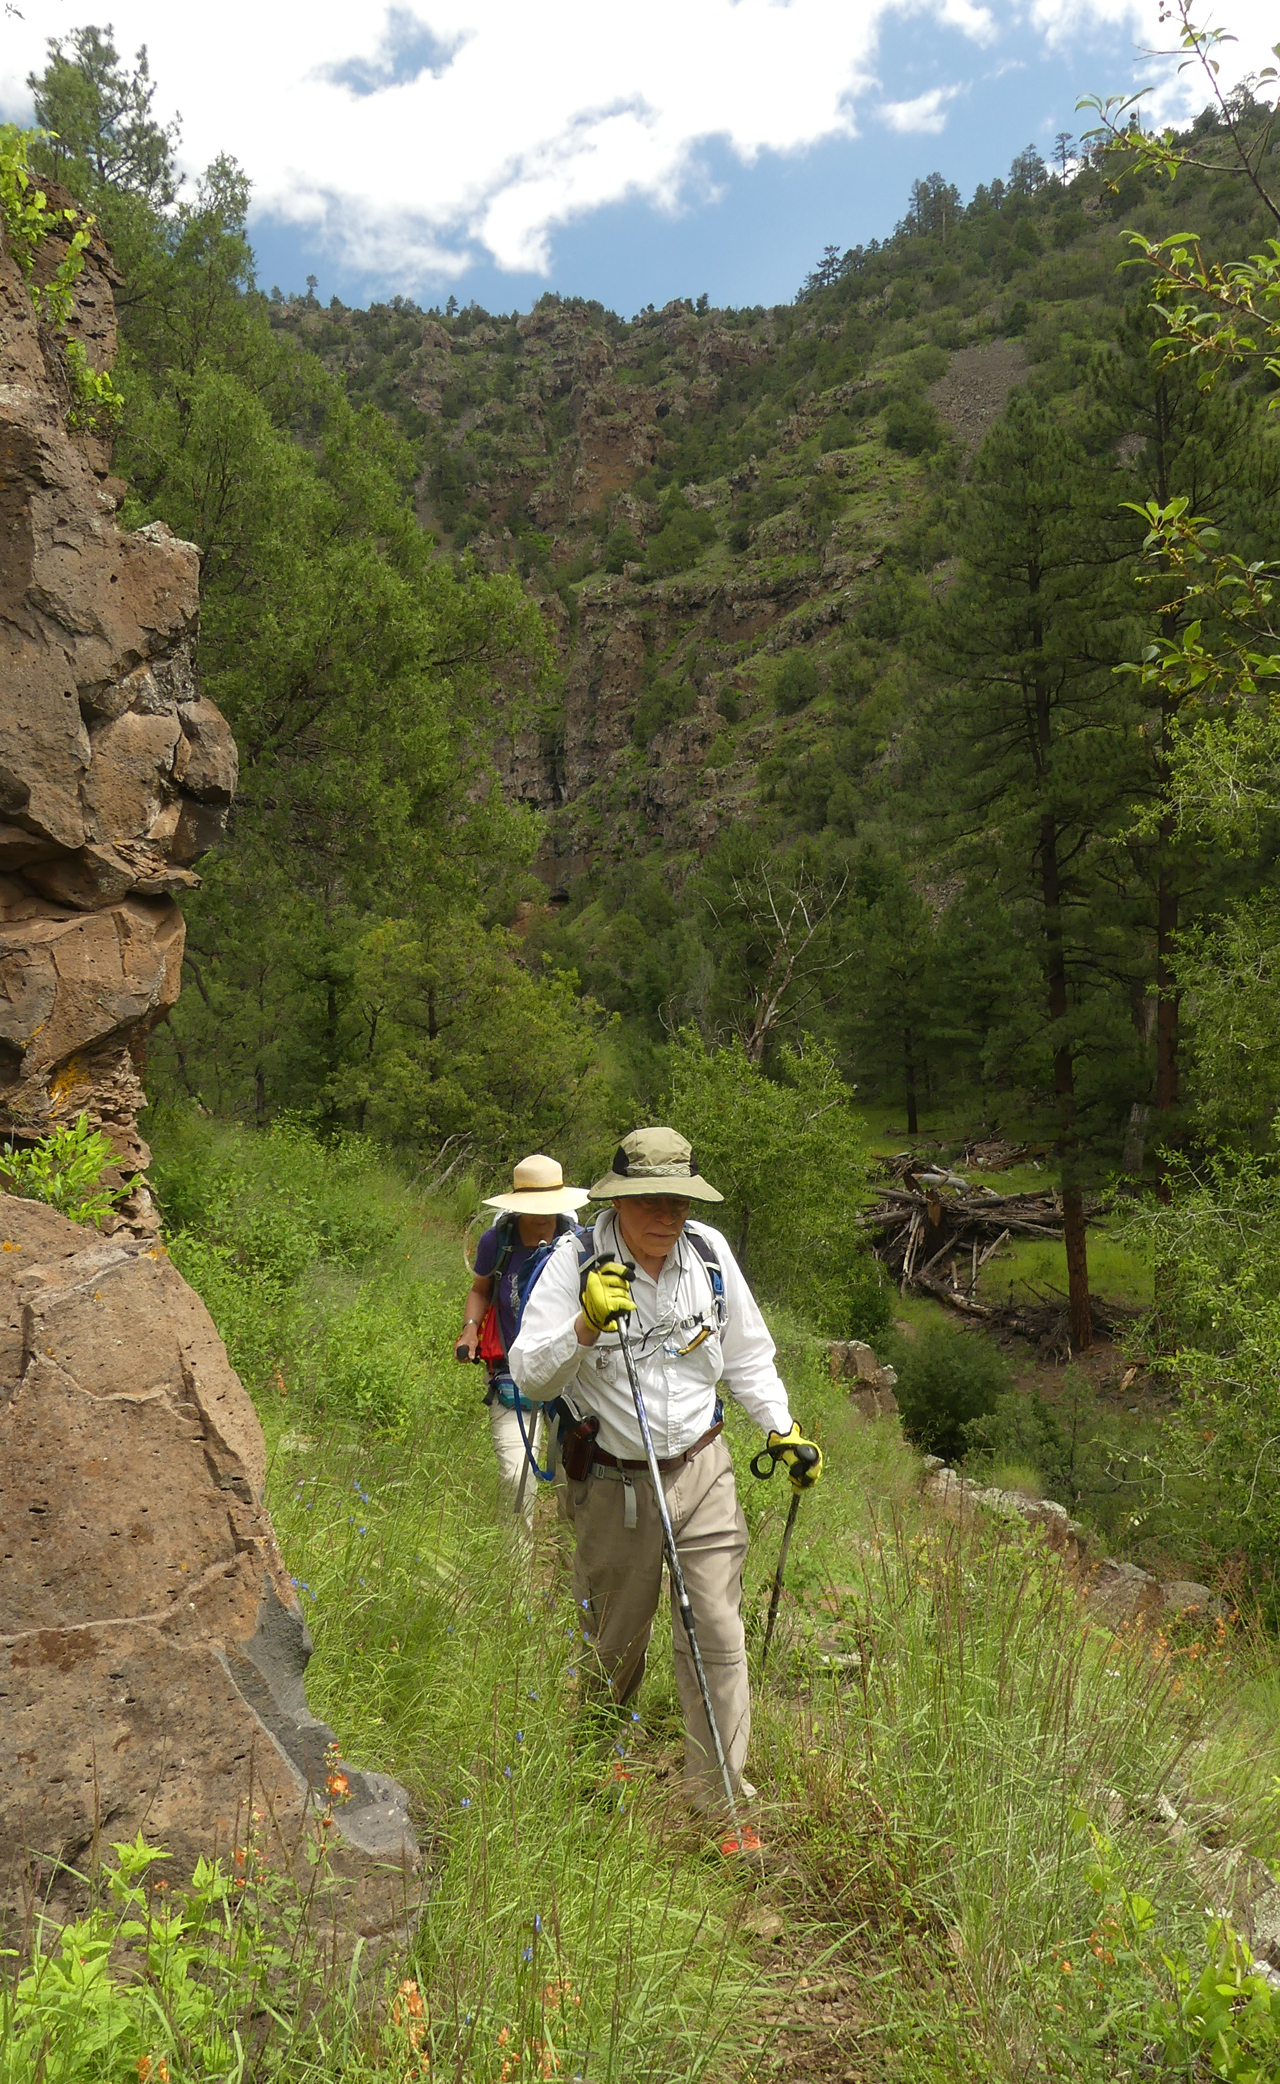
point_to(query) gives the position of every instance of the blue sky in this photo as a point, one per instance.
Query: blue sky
(747, 234)
(494, 150)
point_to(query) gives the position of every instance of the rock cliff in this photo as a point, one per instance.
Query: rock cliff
(152, 1648)
(114, 775)
(555, 439)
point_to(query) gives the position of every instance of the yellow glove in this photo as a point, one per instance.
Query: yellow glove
(802, 1457)
(607, 1296)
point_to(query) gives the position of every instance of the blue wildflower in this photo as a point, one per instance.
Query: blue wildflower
(465, 1803)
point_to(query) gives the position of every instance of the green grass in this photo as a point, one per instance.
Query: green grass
(956, 1772)
(1029, 1268)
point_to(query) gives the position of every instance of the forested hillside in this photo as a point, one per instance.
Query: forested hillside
(738, 603)
(811, 680)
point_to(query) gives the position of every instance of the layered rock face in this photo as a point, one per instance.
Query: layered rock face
(115, 776)
(152, 1648)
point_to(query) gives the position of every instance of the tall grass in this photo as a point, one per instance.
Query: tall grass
(958, 1774)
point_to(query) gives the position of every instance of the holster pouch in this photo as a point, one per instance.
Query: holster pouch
(577, 1446)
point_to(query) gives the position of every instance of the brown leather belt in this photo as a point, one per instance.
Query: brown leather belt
(601, 1459)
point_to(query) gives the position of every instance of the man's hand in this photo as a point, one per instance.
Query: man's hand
(468, 1342)
(802, 1457)
(607, 1296)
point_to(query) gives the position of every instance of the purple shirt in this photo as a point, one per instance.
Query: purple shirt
(508, 1292)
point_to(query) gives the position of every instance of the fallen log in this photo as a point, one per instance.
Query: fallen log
(1046, 1322)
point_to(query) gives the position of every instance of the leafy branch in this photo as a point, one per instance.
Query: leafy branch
(28, 219)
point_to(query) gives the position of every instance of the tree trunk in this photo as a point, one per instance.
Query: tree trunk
(1064, 1085)
(740, 1253)
(1167, 895)
(909, 1068)
(1166, 991)
(1074, 1235)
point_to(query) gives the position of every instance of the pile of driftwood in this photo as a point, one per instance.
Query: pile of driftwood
(935, 1232)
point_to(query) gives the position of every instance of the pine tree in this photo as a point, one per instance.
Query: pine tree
(99, 120)
(1209, 447)
(1039, 734)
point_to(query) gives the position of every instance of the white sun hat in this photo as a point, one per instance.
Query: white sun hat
(538, 1189)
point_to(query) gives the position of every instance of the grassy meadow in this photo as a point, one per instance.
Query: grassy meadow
(967, 1873)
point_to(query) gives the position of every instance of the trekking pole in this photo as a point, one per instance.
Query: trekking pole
(677, 1578)
(776, 1595)
(770, 1461)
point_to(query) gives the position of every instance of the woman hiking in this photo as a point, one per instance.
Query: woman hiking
(536, 1210)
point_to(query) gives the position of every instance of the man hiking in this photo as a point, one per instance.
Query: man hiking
(692, 1323)
(538, 1206)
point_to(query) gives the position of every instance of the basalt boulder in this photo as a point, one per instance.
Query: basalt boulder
(152, 1648)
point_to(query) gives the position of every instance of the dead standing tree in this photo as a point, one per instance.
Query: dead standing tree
(784, 955)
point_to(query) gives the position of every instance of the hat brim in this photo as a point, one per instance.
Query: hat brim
(684, 1186)
(546, 1201)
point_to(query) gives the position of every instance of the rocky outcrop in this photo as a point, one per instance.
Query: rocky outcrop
(115, 776)
(871, 1384)
(152, 1648)
(1119, 1594)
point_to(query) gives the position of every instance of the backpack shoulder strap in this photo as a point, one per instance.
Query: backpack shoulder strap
(530, 1272)
(710, 1258)
(508, 1228)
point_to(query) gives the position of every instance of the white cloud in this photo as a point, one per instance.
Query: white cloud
(1253, 25)
(417, 134)
(927, 113)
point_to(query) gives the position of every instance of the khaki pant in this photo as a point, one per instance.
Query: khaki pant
(508, 1447)
(618, 1573)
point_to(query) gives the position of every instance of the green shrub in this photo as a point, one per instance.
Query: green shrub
(373, 1372)
(948, 1379)
(1018, 1428)
(663, 702)
(823, 502)
(681, 539)
(729, 704)
(851, 673)
(65, 1169)
(795, 683)
(621, 548)
(924, 365)
(789, 1155)
(883, 612)
(912, 425)
(839, 433)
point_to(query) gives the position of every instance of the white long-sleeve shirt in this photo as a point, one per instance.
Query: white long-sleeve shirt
(679, 1389)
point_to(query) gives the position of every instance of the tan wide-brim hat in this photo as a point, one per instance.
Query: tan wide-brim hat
(538, 1189)
(654, 1161)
